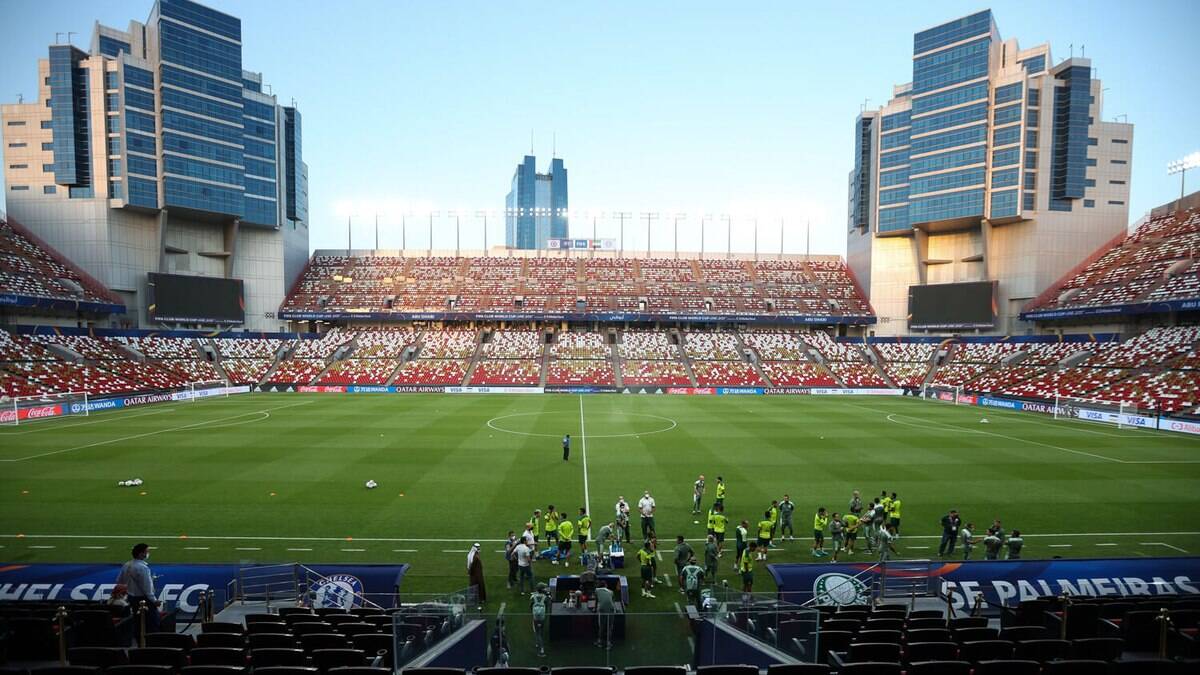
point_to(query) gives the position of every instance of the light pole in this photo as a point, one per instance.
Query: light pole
(649, 217)
(457, 236)
(404, 231)
(621, 216)
(781, 238)
(676, 219)
(484, 215)
(376, 233)
(1181, 166)
(349, 238)
(703, 219)
(728, 236)
(431, 215)
(756, 240)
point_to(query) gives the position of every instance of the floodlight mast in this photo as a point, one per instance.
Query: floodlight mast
(1181, 166)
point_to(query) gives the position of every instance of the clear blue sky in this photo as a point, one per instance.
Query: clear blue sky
(700, 107)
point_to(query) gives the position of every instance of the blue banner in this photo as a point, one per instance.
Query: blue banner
(14, 300)
(579, 389)
(733, 391)
(1000, 582)
(816, 320)
(182, 585)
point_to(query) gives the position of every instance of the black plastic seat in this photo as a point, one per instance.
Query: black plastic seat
(213, 670)
(218, 656)
(1007, 667)
(927, 614)
(222, 627)
(792, 669)
(269, 658)
(1043, 650)
(176, 640)
(929, 635)
(969, 622)
(1145, 667)
(288, 670)
(309, 627)
(94, 628)
(986, 650)
(925, 622)
(1105, 649)
(931, 651)
(278, 626)
(174, 657)
(975, 634)
(65, 670)
(262, 618)
(373, 643)
(315, 641)
(360, 670)
(327, 659)
(1023, 633)
(97, 657)
(32, 638)
(290, 611)
(892, 636)
(1074, 667)
(139, 669)
(741, 669)
(874, 652)
(272, 641)
(228, 640)
(938, 668)
(884, 623)
(871, 668)
(656, 670)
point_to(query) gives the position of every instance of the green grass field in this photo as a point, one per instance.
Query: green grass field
(279, 477)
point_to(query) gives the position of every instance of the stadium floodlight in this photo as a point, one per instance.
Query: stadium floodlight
(483, 213)
(649, 216)
(677, 217)
(1181, 166)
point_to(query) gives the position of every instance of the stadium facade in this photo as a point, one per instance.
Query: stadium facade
(155, 152)
(992, 165)
(536, 205)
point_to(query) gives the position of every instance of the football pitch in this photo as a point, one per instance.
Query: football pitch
(280, 477)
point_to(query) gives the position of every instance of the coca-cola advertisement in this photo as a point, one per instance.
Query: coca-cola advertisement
(35, 412)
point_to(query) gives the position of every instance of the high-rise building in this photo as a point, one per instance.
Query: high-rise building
(536, 206)
(992, 164)
(155, 152)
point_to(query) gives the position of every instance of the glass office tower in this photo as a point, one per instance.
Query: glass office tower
(536, 205)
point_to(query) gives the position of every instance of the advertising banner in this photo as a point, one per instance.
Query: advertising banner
(735, 391)
(494, 390)
(692, 391)
(1000, 582)
(320, 389)
(579, 389)
(9, 415)
(857, 392)
(1182, 426)
(182, 585)
(781, 391)
(643, 390)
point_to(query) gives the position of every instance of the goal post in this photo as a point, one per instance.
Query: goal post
(207, 389)
(943, 393)
(1118, 413)
(25, 409)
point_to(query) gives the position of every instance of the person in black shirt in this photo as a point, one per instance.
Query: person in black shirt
(950, 524)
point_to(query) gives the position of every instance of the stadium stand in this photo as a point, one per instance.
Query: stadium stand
(654, 372)
(36, 274)
(430, 371)
(580, 371)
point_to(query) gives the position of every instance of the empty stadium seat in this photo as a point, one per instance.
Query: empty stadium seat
(217, 656)
(946, 667)
(97, 657)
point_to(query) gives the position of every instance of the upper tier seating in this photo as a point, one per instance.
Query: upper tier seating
(832, 350)
(321, 348)
(337, 284)
(1155, 346)
(162, 347)
(984, 352)
(27, 269)
(247, 348)
(381, 343)
(1152, 264)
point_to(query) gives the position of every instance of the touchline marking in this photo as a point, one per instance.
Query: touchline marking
(1161, 543)
(195, 548)
(93, 548)
(299, 549)
(41, 547)
(1106, 544)
(107, 418)
(154, 433)
(248, 548)
(1059, 545)
(587, 502)
(399, 540)
(404, 550)
(354, 550)
(959, 429)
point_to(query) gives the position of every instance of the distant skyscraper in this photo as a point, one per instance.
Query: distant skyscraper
(154, 151)
(536, 206)
(992, 164)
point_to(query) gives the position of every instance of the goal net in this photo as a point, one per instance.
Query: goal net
(206, 389)
(944, 394)
(25, 409)
(1117, 413)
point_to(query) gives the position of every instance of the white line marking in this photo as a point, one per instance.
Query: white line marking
(587, 501)
(354, 550)
(41, 547)
(299, 549)
(916, 548)
(1059, 545)
(954, 428)
(195, 548)
(1161, 543)
(453, 550)
(154, 433)
(1106, 544)
(678, 609)
(127, 537)
(248, 548)
(673, 424)
(93, 548)
(659, 554)
(107, 418)
(404, 550)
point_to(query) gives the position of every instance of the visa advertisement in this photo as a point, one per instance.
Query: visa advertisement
(1000, 582)
(183, 586)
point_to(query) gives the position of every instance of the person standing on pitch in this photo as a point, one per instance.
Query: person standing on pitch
(622, 509)
(719, 524)
(524, 553)
(566, 447)
(697, 494)
(475, 573)
(852, 524)
(837, 534)
(743, 537)
(856, 504)
(550, 522)
(720, 491)
(646, 558)
(894, 513)
(887, 545)
(950, 525)
(692, 576)
(510, 545)
(786, 507)
(820, 522)
(746, 568)
(606, 533)
(968, 540)
(774, 510)
(566, 531)
(764, 535)
(584, 530)
(711, 553)
(135, 576)
(1015, 543)
(646, 508)
(683, 553)
(536, 530)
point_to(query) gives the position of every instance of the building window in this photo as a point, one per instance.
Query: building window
(1031, 138)
(47, 168)
(20, 188)
(49, 189)
(110, 80)
(1089, 182)
(1119, 161)
(1116, 182)
(1035, 96)
(1091, 162)
(1119, 141)
(49, 145)
(1089, 203)
(1114, 202)
(16, 145)
(16, 123)
(112, 102)
(1029, 201)
(1095, 141)
(46, 124)
(18, 166)
(114, 190)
